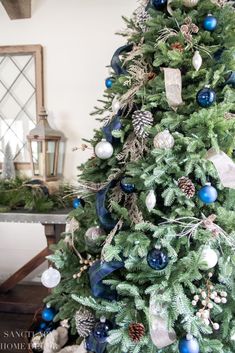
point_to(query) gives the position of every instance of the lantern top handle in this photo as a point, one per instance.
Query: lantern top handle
(43, 130)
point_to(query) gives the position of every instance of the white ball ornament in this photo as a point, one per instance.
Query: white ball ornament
(190, 3)
(151, 200)
(164, 140)
(116, 105)
(104, 149)
(197, 60)
(208, 258)
(51, 278)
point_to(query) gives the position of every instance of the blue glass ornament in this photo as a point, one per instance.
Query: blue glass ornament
(101, 330)
(210, 23)
(78, 202)
(189, 345)
(159, 4)
(48, 314)
(206, 97)
(42, 326)
(208, 194)
(127, 187)
(157, 259)
(231, 79)
(109, 82)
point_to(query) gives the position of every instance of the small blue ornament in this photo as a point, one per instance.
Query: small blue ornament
(210, 23)
(42, 326)
(157, 259)
(128, 188)
(48, 314)
(208, 194)
(189, 345)
(159, 4)
(109, 82)
(206, 97)
(78, 203)
(101, 330)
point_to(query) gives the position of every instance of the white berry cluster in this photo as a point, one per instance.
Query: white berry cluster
(206, 299)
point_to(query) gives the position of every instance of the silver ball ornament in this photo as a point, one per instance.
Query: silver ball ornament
(164, 140)
(104, 149)
(208, 258)
(190, 3)
(51, 278)
(93, 235)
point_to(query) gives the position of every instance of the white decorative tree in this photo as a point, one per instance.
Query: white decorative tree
(8, 168)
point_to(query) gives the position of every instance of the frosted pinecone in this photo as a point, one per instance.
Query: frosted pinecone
(141, 16)
(187, 186)
(85, 322)
(142, 120)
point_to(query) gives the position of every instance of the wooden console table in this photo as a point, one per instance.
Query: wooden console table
(54, 224)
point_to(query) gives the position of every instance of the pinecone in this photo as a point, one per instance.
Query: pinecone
(141, 17)
(136, 331)
(186, 185)
(141, 120)
(85, 322)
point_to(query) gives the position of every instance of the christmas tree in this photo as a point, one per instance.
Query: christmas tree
(148, 262)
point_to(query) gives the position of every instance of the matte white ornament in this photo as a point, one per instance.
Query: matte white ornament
(104, 149)
(51, 278)
(208, 258)
(164, 140)
(190, 3)
(116, 105)
(151, 200)
(197, 60)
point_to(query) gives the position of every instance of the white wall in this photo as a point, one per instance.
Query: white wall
(78, 40)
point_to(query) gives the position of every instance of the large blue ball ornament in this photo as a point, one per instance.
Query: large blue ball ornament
(157, 259)
(159, 4)
(189, 345)
(101, 330)
(208, 194)
(48, 314)
(206, 97)
(109, 82)
(126, 186)
(210, 23)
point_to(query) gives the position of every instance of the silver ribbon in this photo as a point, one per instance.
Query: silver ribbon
(159, 332)
(173, 86)
(224, 166)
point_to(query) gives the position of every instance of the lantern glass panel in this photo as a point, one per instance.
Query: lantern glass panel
(37, 155)
(50, 158)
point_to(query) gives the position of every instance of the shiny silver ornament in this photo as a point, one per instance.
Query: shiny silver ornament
(197, 60)
(104, 149)
(164, 140)
(116, 105)
(93, 235)
(151, 200)
(190, 3)
(208, 258)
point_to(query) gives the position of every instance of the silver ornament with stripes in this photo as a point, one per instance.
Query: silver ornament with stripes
(142, 120)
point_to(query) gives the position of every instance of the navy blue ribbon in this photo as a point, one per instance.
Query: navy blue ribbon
(105, 218)
(115, 124)
(97, 272)
(116, 62)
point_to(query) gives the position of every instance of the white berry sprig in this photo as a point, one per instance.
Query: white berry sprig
(205, 300)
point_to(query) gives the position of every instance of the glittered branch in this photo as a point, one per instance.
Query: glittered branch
(133, 150)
